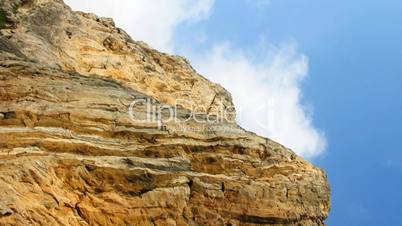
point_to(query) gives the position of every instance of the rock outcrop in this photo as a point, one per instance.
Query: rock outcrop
(73, 150)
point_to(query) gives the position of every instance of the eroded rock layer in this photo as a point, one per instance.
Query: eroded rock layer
(70, 154)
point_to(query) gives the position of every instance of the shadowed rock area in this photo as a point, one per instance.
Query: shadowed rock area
(70, 154)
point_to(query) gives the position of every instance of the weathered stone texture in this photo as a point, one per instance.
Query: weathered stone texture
(71, 155)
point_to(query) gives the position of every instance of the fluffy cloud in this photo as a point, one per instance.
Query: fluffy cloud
(265, 85)
(152, 21)
(266, 92)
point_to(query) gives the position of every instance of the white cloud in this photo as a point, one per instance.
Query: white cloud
(266, 92)
(152, 21)
(265, 85)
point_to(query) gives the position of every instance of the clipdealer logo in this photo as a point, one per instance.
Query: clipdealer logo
(150, 111)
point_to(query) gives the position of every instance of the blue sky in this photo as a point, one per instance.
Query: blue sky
(340, 71)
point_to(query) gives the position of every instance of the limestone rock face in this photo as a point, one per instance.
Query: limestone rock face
(49, 32)
(73, 150)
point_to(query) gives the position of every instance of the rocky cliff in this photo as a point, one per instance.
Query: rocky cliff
(75, 150)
